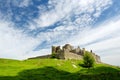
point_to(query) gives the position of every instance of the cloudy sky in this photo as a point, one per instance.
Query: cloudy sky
(30, 27)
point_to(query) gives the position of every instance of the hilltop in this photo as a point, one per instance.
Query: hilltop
(55, 69)
(68, 52)
(67, 64)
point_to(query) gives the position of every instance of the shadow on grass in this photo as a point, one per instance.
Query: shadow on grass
(50, 73)
(100, 73)
(9, 78)
(47, 73)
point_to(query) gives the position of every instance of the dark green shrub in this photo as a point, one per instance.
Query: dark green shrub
(88, 60)
(53, 55)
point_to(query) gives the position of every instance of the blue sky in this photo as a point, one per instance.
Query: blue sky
(30, 27)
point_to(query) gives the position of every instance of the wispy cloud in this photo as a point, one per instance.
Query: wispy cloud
(107, 33)
(13, 43)
(104, 40)
(73, 16)
(25, 3)
(72, 11)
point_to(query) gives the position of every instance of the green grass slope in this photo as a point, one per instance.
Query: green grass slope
(54, 69)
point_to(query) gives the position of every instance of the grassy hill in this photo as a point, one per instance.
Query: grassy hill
(54, 69)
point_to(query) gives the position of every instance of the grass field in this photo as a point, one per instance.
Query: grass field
(54, 69)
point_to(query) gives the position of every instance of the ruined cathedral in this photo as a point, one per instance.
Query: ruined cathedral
(69, 52)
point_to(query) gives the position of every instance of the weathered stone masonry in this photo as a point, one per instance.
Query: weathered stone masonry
(69, 52)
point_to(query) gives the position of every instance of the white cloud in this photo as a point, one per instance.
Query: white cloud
(24, 3)
(63, 12)
(19, 3)
(13, 43)
(64, 9)
(107, 34)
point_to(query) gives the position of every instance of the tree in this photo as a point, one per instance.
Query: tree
(88, 60)
(53, 55)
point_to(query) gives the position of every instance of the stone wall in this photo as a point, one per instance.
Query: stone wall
(41, 57)
(69, 52)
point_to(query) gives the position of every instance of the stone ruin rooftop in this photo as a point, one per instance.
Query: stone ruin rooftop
(69, 52)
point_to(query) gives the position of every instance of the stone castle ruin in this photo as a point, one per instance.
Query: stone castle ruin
(69, 52)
